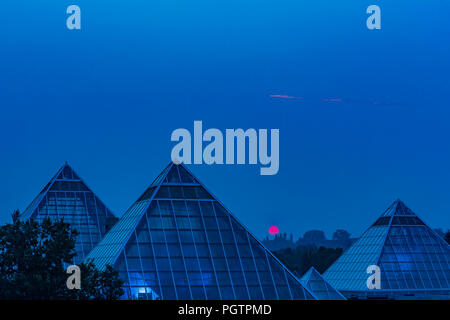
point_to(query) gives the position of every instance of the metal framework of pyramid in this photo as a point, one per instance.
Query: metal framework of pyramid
(67, 197)
(178, 242)
(414, 261)
(314, 281)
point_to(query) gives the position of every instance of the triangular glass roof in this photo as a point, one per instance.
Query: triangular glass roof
(398, 208)
(313, 280)
(177, 241)
(67, 197)
(411, 256)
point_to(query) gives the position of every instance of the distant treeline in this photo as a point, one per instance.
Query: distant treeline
(340, 239)
(300, 259)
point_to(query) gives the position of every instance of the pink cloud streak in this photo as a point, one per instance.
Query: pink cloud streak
(283, 96)
(332, 100)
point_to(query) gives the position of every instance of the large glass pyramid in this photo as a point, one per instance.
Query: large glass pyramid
(178, 242)
(67, 197)
(414, 260)
(319, 286)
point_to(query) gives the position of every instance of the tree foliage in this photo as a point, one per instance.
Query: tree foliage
(300, 259)
(447, 237)
(341, 235)
(33, 257)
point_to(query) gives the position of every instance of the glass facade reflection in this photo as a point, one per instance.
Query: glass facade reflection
(319, 286)
(178, 242)
(413, 259)
(67, 197)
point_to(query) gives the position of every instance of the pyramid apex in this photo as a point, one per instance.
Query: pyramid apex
(308, 274)
(398, 208)
(402, 209)
(66, 164)
(177, 162)
(312, 269)
(397, 202)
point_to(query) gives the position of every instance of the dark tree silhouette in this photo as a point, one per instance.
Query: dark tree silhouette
(15, 215)
(32, 260)
(447, 237)
(314, 236)
(300, 259)
(341, 235)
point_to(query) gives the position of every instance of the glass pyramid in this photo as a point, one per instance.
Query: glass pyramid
(319, 286)
(67, 197)
(178, 242)
(413, 259)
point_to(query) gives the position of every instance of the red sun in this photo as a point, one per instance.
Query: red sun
(273, 230)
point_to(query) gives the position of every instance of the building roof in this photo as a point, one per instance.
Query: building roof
(177, 241)
(314, 281)
(66, 196)
(411, 256)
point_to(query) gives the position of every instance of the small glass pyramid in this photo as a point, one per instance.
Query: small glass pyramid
(67, 197)
(413, 259)
(178, 242)
(319, 286)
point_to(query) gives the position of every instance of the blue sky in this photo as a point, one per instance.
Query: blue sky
(372, 124)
